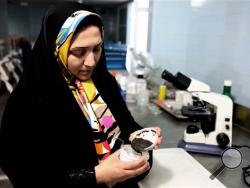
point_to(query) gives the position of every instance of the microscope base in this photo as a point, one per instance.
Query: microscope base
(200, 148)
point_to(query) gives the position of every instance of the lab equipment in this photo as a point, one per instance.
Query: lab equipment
(231, 158)
(212, 110)
(182, 82)
(141, 63)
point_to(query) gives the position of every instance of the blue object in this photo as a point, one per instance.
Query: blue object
(201, 148)
(115, 55)
(123, 94)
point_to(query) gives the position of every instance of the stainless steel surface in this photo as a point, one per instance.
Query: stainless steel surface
(173, 131)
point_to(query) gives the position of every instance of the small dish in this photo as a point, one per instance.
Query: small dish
(144, 140)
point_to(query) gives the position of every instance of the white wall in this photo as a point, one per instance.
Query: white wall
(210, 43)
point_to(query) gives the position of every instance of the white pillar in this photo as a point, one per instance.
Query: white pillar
(137, 21)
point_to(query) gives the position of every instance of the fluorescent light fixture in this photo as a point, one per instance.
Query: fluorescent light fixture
(24, 4)
(197, 3)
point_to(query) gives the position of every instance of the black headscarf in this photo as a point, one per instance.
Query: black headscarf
(43, 71)
(44, 133)
(42, 121)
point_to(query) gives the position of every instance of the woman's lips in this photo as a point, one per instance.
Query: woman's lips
(85, 72)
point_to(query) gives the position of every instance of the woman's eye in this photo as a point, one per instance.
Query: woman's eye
(78, 53)
(97, 49)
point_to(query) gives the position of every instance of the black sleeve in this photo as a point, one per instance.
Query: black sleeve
(77, 177)
(37, 150)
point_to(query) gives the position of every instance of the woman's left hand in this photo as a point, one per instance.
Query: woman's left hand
(158, 132)
(160, 137)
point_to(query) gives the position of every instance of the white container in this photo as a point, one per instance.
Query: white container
(143, 98)
(141, 85)
(129, 154)
(131, 89)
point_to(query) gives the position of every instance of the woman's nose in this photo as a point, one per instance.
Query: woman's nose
(90, 59)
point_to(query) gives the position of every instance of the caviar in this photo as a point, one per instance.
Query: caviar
(140, 144)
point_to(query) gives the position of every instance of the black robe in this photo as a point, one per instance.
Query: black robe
(44, 134)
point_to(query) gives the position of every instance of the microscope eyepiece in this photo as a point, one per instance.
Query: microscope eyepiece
(167, 76)
(180, 81)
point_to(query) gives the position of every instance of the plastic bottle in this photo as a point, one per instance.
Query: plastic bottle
(131, 89)
(162, 92)
(141, 91)
(141, 84)
(227, 89)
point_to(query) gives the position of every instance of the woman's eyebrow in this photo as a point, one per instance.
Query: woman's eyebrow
(85, 47)
(78, 48)
(99, 44)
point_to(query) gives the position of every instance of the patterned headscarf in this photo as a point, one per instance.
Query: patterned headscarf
(96, 111)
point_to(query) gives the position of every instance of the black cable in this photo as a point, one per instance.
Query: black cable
(246, 170)
(246, 175)
(241, 146)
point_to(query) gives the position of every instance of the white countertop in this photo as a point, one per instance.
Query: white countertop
(174, 167)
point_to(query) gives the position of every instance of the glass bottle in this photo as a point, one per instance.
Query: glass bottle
(131, 89)
(227, 89)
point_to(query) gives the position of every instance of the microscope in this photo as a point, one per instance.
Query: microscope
(212, 110)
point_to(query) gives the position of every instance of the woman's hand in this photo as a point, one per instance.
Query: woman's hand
(160, 137)
(112, 170)
(158, 132)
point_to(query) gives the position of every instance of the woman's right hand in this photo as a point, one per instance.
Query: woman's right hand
(112, 170)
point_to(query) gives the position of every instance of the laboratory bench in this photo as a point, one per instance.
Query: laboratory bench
(173, 130)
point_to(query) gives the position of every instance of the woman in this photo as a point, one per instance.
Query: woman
(63, 123)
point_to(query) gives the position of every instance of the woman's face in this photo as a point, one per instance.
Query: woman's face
(84, 52)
